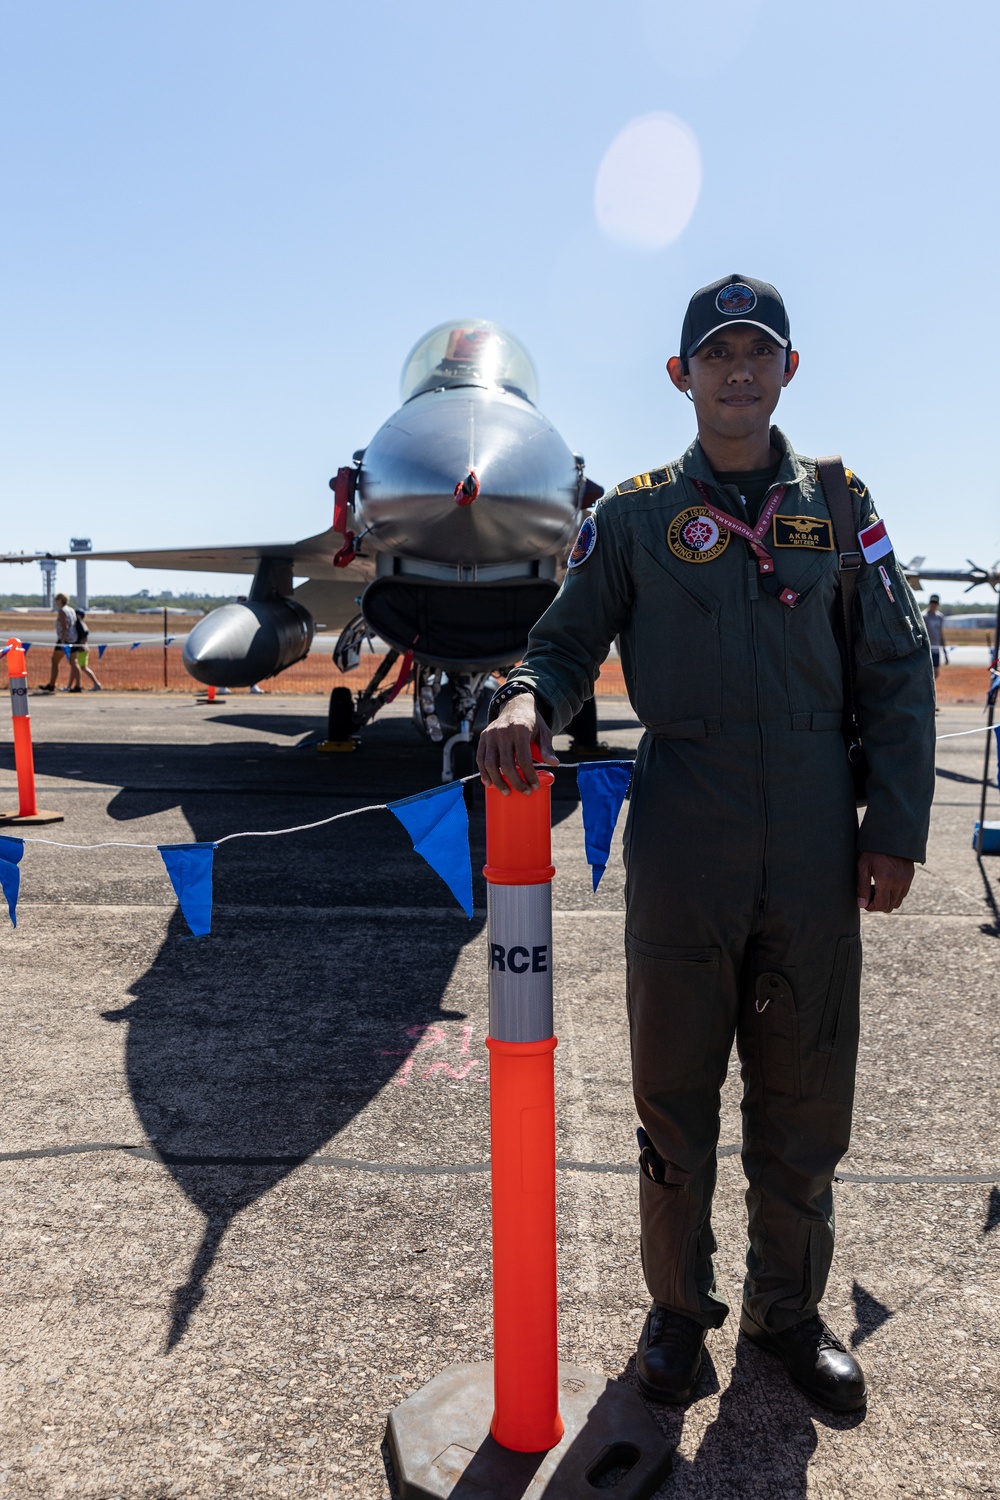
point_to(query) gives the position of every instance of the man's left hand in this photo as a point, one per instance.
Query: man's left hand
(883, 881)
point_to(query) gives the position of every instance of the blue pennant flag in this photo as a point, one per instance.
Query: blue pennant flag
(190, 869)
(603, 786)
(27, 647)
(438, 823)
(68, 652)
(101, 650)
(135, 645)
(10, 876)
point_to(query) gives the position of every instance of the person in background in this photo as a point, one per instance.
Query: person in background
(65, 636)
(934, 621)
(79, 657)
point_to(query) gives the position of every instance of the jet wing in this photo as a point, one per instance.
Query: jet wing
(310, 558)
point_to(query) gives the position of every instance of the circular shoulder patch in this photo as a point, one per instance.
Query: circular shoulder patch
(585, 543)
(695, 537)
(735, 299)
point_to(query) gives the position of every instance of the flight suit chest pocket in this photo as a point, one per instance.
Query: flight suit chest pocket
(814, 669)
(677, 646)
(888, 632)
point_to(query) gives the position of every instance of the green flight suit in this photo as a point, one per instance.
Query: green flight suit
(741, 846)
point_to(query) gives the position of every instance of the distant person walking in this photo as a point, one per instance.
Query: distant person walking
(934, 620)
(65, 636)
(80, 656)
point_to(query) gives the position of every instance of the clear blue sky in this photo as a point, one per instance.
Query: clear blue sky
(226, 223)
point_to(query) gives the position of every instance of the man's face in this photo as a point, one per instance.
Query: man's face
(735, 379)
(932, 606)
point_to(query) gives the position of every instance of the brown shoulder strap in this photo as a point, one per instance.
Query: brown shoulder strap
(841, 507)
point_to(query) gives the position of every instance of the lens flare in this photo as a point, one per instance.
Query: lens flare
(648, 182)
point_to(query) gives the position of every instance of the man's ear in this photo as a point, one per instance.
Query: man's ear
(678, 372)
(791, 365)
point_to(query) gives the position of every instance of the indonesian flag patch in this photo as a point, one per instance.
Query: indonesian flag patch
(874, 541)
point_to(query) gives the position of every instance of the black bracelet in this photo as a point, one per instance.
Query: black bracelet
(504, 695)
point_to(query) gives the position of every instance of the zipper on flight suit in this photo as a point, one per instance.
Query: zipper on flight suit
(754, 596)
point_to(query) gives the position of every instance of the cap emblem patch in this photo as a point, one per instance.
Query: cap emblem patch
(736, 299)
(585, 543)
(694, 536)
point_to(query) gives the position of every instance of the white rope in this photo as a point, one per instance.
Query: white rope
(263, 833)
(273, 833)
(270, 833)
(980, 729)
(108, 844)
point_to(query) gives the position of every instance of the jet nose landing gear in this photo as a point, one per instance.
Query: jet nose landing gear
(458, 758)
(447, 701)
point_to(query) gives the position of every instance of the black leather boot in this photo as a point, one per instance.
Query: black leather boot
(816, 1361)
(668, 1358)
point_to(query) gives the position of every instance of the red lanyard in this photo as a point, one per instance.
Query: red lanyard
(752, 534)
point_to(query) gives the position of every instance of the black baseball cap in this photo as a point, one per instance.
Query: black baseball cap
(734, 299)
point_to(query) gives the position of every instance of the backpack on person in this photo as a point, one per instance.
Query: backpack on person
(81, 628)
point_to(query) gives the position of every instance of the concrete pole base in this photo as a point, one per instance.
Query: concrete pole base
(441, 1446)
(41, 816)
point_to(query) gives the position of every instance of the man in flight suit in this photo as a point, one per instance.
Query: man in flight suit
(745, 867)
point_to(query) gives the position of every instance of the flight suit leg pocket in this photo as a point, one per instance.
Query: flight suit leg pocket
(675, 1024)
(814, 1241)
(777, 1027)
(840, 1028)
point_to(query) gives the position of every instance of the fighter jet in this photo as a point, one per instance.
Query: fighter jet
(449, 535)
(973, 576)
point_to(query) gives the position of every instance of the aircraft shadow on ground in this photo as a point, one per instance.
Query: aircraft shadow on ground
(248, 1051)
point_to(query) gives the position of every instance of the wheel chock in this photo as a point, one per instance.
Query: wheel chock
(338, 747)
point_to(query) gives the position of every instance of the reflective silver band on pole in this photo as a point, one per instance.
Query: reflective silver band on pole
(19, 697)
(519, 955)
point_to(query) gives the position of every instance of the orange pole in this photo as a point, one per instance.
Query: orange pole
(17, 672)
(522, 1120)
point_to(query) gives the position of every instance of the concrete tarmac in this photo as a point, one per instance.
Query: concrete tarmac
(243, 1178)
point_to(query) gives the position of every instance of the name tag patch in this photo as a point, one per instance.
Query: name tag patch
(694, 537)
(803, 531)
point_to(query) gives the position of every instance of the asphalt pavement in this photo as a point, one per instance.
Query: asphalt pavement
(243, 1178)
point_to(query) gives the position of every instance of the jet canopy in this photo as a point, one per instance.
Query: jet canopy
(469, 352)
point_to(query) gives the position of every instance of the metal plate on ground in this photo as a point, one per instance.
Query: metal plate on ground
(442, 1449)
(41, 816)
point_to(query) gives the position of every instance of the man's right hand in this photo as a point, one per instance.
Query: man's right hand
(504, 754)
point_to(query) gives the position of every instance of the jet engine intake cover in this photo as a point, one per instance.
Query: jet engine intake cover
(466, 626)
